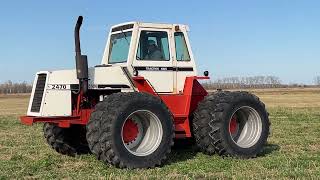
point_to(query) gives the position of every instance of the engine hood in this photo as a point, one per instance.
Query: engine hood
(52, 90)
(112, 77)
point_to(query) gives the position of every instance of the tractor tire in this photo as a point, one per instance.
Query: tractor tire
(67, 141)
(93, 128)
(131, 130)
(231, 124)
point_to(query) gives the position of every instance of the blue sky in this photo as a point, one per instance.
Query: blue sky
(229, 38)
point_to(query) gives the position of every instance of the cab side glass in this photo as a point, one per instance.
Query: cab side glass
(119, 47)
(182, 53)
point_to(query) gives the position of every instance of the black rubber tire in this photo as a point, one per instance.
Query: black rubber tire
(93, 128)
(211, 123)
(105, 126)
(68, 141)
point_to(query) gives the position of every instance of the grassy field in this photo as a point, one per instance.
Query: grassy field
(293, 149)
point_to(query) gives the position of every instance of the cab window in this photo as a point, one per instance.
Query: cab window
(153, 46)
(182, 53)
(119, 47)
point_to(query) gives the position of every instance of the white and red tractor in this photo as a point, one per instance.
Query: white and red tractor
(145, 94)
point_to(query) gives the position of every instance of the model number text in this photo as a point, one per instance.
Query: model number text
(58, 86)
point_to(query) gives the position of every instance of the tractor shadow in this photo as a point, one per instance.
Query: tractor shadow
(268, 149)
(184, 150)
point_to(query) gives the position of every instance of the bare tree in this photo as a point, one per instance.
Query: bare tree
(317, 80)
(9, 87)
(245, 82)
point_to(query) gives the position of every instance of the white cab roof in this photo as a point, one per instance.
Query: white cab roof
(152, 25)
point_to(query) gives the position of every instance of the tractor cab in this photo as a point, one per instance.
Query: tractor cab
(161, 53)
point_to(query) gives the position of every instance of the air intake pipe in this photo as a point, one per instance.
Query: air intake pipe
(81, 60)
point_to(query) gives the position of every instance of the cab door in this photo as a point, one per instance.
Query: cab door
(153, 59)
(184, 61)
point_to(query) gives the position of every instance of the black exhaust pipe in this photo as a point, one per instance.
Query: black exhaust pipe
(81, 60)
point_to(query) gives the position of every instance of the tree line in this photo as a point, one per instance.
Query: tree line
(9, 87)
(254, 82)
(248, 82)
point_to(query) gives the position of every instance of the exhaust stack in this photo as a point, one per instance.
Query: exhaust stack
(81, 60)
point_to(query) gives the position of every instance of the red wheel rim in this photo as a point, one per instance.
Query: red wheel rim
(233, 125)
(130, 131)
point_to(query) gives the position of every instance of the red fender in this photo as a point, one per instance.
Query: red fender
(181, 105)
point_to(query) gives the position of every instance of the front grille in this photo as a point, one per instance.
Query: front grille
(38, 93)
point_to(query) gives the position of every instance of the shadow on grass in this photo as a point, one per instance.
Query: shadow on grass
(184, 150)
(82, 150)
(268, 149)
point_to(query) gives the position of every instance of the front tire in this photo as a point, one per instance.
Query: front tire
(136, 130)
(68, 141)
(231, 124)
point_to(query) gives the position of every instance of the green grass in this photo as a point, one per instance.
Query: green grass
(293, 151)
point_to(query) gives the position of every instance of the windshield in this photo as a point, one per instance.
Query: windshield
(119, 47)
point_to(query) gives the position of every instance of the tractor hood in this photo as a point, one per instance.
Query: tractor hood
(100, 78)
(52, 90)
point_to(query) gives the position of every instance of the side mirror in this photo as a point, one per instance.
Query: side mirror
(135, 73)
(206, 73)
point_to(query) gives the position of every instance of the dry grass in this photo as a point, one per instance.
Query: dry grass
(300, 98)
(15, 104)
(293, 149)
(288, 97)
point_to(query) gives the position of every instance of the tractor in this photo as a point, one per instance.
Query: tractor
(129, 110)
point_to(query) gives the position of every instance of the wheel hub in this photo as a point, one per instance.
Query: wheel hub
(233, 125)
(245, 127)
(142, 132)
(130, 131)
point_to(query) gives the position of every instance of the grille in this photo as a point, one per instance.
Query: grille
(38, 93)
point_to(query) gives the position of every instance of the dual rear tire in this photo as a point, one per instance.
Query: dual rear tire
(231, 124)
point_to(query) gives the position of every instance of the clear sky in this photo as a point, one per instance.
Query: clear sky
(229, 38)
